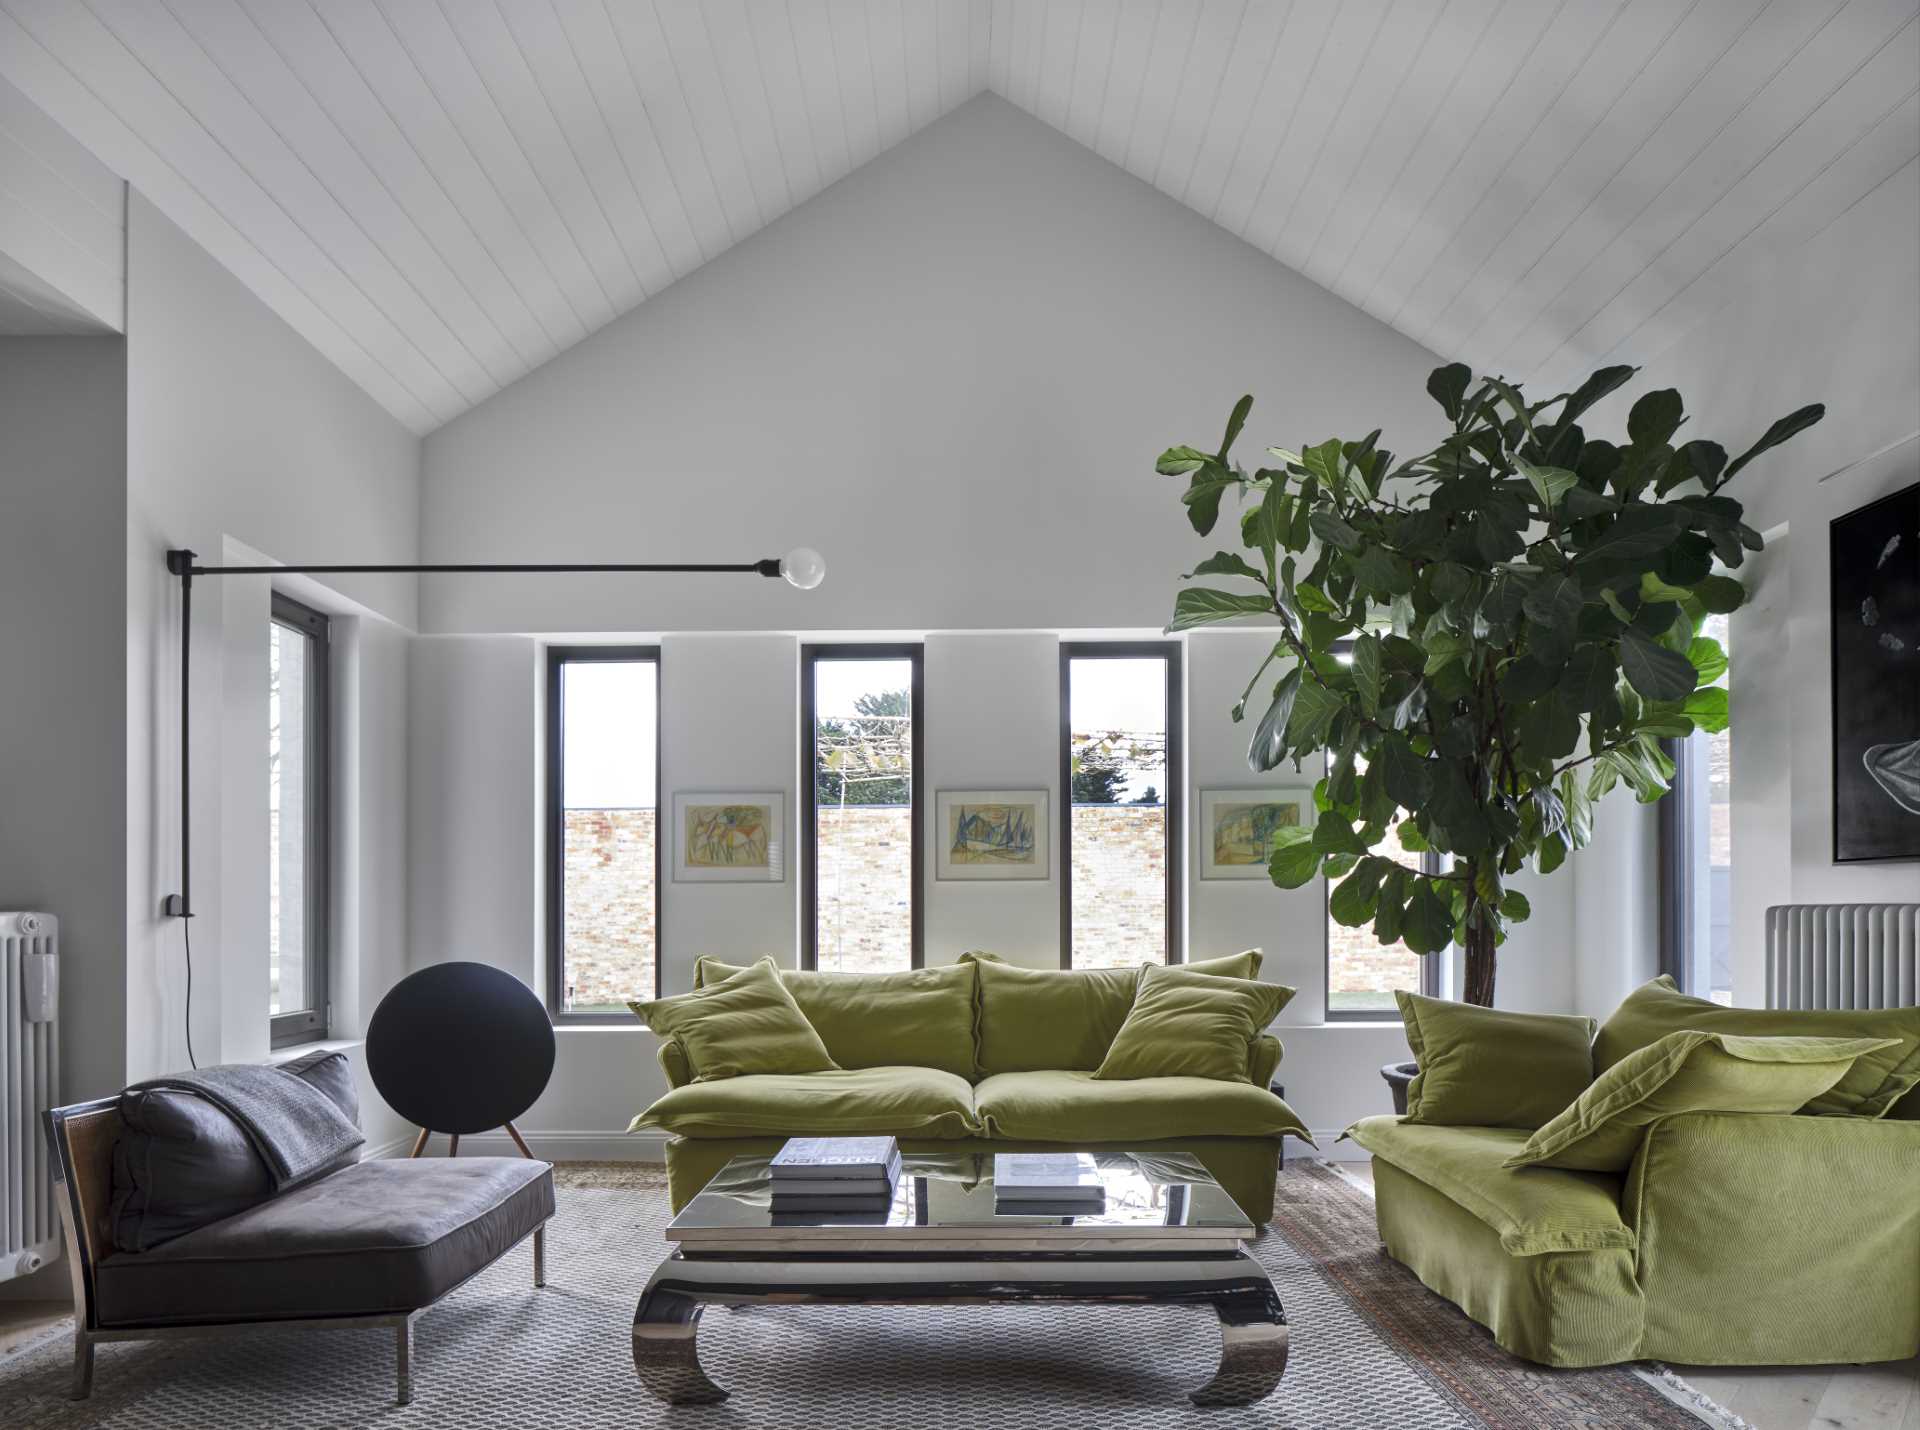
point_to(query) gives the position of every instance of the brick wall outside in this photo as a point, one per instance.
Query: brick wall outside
(1119, 885)
(1361, 973)
(866, 890)
(610, 906)
(1119, 868)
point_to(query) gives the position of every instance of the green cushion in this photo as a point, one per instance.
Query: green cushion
(1484, 1067)
(1536, 1211)
(1233, 965)
(1069, 1106)
(1185, 1023)
(741, 1025)
(902, 1101)
(921, 1017)
(1032, 1019)
(1872, 1085)
(1687, 1072)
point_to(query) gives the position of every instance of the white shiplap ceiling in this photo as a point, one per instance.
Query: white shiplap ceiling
(442, 194)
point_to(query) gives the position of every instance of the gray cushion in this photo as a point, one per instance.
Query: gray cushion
(182, 1163)
(377, 1237)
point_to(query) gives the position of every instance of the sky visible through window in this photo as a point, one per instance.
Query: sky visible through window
(610, 735)
(1122, 695)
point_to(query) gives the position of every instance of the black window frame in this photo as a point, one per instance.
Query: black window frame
(1679, 892)
(1431, 964)
(558, 658)
(1172, 652)
(811, 655)
(314, 1021)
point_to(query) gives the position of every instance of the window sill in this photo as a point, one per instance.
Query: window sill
(319, 1045)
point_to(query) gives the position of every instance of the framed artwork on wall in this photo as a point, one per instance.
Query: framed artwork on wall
(722, 837)
(1875, 585)
(990, 834)
(1237, 826)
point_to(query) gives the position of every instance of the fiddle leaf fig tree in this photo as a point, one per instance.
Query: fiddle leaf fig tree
(1481, 641)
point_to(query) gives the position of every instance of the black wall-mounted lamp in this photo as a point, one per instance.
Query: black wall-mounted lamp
(802, 567)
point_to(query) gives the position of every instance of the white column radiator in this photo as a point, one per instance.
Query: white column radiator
(1843, 955)
(29, 1085)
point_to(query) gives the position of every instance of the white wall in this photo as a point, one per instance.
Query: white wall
(63, 794)
(242, 441)
(1832, 321)
(950, 372)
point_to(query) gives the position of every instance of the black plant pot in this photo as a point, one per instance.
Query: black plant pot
(1398, 1075)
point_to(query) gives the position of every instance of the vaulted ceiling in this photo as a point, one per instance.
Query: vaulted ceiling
(443, 194)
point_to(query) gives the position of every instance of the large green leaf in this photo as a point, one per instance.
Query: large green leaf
(1314, 712)
(1653, 670)
(1638, 532)
(1203, 493)
(1606, 380)
(1707, 658)
(1225, 563)
(1330, 528)
(1234, 423)
(1366, 674)
(1427, 925)
(1202, 606)
(1406, 773)
(1269, 745)
(1448, 385)
(1708, 709)
(1655, 418)
(1720, 594)
(1555, 603)
(1550, 484)
(1789, 426)
(1589, 678)
(1550, 727)
(1354, 899)
(1178, 461)
(1294, 861)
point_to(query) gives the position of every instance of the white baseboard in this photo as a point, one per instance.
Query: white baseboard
(1331, 1148)
(551, 1146)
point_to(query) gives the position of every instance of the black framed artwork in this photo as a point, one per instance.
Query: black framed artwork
(1875, 584)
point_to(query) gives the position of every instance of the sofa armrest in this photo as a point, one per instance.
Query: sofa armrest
(1797, 1238)
(673, 1062)
(1263, 1059)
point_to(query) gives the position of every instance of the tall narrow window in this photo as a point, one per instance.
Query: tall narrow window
(860, 808)
(1362, 972)
(1696, 836)
(297, 790)
(1120, 768)
(603, 830)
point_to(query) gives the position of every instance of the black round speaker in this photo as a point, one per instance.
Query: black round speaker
(460, 1048)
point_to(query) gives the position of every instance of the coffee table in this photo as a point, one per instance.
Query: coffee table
(1169, 1235)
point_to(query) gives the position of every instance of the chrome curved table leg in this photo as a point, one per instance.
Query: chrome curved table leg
(1253, 1349)
(664, 1327)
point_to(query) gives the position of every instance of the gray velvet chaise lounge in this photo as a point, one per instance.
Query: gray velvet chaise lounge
(373, 1243)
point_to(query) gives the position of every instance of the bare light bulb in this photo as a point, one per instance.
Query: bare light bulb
(803, 567)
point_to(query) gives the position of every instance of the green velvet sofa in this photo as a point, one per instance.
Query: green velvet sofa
(1732, 1238)
(977, 1056)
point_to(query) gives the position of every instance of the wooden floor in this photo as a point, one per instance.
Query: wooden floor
(1806, 1397)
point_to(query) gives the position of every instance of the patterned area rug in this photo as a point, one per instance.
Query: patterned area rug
(1371, 1350)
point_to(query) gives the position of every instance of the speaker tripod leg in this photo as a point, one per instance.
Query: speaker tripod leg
(420, 1143)
(453, 1145)
(520, 1142)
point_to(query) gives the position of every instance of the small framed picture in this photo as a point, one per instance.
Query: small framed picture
(724, 837)
(991, 834)
(1237, 828)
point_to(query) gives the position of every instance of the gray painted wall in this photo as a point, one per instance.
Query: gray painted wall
(63, 678)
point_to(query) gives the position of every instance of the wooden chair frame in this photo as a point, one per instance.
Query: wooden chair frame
(81, 1139)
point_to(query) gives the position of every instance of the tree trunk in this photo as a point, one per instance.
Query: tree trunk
(1480, 953)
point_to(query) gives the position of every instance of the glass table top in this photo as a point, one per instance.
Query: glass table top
(946, 1200)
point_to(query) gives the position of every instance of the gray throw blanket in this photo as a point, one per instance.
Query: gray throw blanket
(296, 1127)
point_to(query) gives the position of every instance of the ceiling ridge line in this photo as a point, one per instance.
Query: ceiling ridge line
(1619, 168)
(1680, 173)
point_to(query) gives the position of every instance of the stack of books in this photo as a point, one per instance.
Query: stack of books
(834, 1180)
(1047, 1184)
